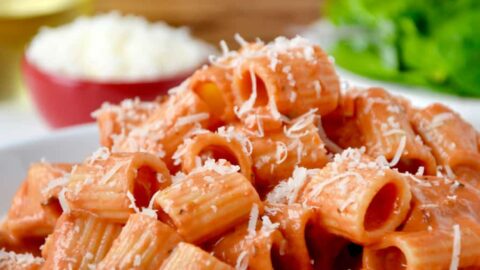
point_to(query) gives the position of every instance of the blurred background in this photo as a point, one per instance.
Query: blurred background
(428, 49)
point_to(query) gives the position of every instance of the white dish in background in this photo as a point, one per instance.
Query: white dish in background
(69, 145)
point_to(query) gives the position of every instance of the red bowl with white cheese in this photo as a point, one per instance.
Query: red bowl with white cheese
(72, 69)
(64, 101)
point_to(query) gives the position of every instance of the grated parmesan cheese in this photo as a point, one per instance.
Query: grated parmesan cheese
(58, 182)
(132, 202)
(116, 47)
(267, 226)
(252, 221)
(281, 152)
(456, 249)
(248, 105)
(63, 202)
(240, 40)
(191, 119)
(137, 261)
(287, 191)
(242, 261)
(317, 190)
(12, 260)
(106, 177)
(439, 119)
(220, 166)
(399, 152)
(224, 47)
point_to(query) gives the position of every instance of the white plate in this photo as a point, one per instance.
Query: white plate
(69, 145)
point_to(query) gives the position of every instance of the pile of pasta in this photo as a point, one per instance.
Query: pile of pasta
(260, 160)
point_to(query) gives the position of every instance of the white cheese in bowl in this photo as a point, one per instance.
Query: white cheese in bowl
(112, 47)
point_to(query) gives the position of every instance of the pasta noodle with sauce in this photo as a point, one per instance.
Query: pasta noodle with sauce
(258, 161)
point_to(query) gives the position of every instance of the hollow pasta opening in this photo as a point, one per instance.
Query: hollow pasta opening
(409, 165)
(218, 152)
(381, 207)
(247, 88)
(349, 257)
(145, 185)
(390, 258)
(211, 94)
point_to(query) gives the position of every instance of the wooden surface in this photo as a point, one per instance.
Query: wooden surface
(213, 20)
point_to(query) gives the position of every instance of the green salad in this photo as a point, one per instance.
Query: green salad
(432, 43)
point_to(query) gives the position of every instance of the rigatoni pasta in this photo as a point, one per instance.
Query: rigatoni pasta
(386, 131)
(189, 257)
(143, 243)
(167, 127)
(441, 249)
(79, 241)
(215, 146)
(213, 85)
(254, 245)
(115, 185)
(34, 210)
(207, 202)
(358, 198)
(258, 161)
(452, 140)
(275, 156)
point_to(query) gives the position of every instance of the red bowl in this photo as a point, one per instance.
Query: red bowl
(64, 101)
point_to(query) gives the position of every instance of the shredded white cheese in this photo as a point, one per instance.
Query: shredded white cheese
(132, 202)
(63, 202)
(12, 260)
(248, 105)
(317, 190)
(287, 191)
(220, 166)
(191, 119)
(137, 261)
(252, 221)
(281, 152)
(242, 261)
(106, 177)
(399, 152)
(439, 119)
(456, 249)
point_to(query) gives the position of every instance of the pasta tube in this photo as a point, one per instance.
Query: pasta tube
(294, 220)
(79, 241)
(439, 203)
(387, 132)
(143, 243)
(249, 247)
(281, 78)
(276, 155)
(213, 145)
(452, 140)
(176, 119)
(358, 198)
(116, 185)
(440, 249)
(213, 85)
(189, 257)
(207, 203)
(115, 120)
(33, 212)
